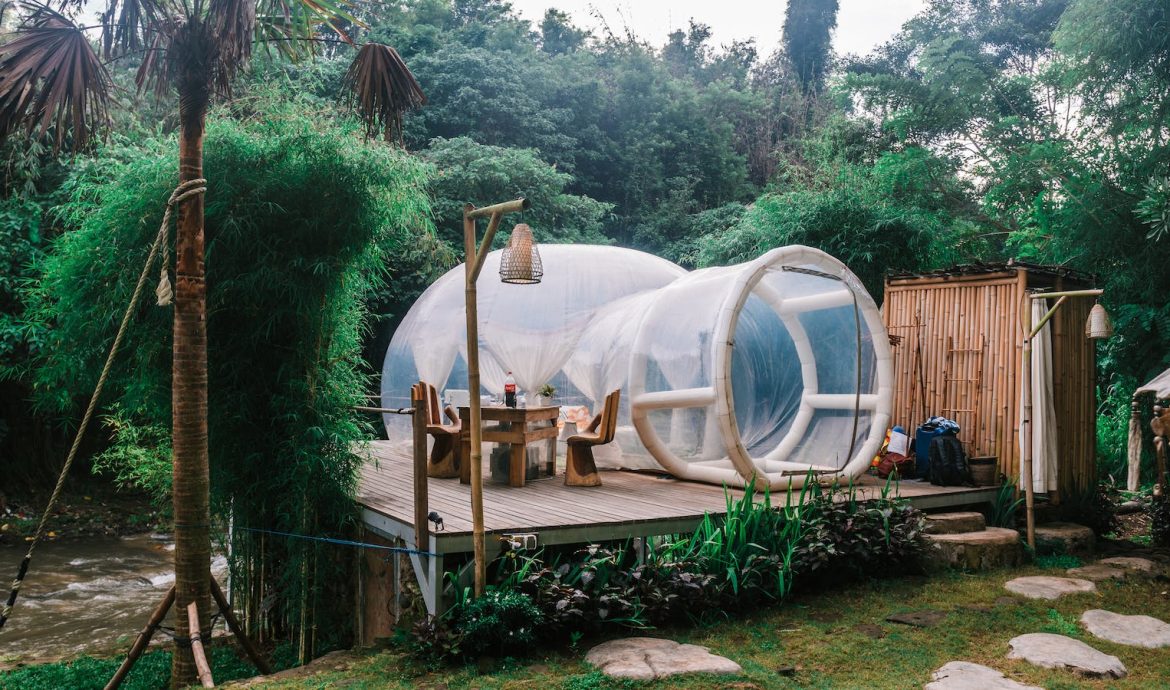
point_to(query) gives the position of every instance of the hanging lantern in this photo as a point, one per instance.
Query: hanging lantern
(1098, 327)
(520, 263)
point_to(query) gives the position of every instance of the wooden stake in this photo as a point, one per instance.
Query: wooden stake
(202, 668)
(234, 625)
(143, 639)
(421, 500)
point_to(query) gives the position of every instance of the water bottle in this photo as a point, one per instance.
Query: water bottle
(510, 391)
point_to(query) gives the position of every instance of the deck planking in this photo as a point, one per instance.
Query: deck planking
(627, 504)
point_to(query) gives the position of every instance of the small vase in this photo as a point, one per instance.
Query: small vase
(544, 401)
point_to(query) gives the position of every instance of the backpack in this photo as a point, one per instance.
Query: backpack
(948, 462)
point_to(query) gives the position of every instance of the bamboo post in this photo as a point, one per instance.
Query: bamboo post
(1030, 332)
(203, 669)
(474, 263)
(250, 649)
(421, 499)
(143, 640)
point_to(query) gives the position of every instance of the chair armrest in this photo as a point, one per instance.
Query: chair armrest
(451, 414)
(594, 424)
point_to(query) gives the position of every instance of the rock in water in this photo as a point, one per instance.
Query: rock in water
(1058, 651)
(648, 658)
(1136, 631)
(1047, 587)
(964, 675)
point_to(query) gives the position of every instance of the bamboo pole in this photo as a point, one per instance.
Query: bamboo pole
(475, 256)
(203, 669)
(143, 640)
(250, 648)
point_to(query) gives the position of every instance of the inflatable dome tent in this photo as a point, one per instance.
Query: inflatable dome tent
(773, 368)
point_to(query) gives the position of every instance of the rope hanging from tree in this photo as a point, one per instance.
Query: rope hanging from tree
(183, 192)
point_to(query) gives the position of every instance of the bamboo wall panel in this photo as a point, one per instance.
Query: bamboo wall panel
(934, 314)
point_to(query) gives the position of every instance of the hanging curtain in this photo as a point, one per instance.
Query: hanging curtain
(1044, 447)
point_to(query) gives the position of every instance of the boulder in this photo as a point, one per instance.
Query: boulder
(1058, 651)
(964, 675)
(1065, 537)
(954, 523)
(1046, 587)
(649, 658)
(1135, 631)
(994, 547)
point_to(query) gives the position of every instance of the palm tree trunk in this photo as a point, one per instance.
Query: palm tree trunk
(189, 400)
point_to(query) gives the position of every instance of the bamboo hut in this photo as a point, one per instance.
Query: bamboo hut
(958, 345)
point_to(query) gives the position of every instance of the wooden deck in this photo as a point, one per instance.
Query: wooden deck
(628, 504)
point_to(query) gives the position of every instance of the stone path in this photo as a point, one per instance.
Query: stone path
(964, 675)
(1047, 587)
(1136, 631)
(649, 658)
(1058, 651)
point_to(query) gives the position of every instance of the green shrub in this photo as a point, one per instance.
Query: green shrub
(849, 539)
(1005, 506)
(1092, 508)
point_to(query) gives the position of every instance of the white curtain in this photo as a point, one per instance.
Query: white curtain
(1044, 448)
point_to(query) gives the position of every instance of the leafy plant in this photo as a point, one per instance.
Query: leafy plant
(1005, 506)
(547, 390)
(1092, 508)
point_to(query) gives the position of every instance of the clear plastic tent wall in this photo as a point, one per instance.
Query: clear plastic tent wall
(775, 368)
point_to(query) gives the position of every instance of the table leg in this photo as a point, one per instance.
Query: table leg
(465, 465)
(550, 466)
(518, 464)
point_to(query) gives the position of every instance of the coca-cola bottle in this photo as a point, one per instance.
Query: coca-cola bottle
(510, 391)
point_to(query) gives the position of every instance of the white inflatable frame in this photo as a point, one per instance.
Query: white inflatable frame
(772, 470)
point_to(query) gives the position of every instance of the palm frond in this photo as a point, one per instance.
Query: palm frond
(293, 27)
(128, 26)
(51, 79)
(381, 88)
(233, 24)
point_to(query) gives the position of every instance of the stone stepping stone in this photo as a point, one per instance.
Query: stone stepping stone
(649, 658)
(994, 547)
(1134, 563)
(1065, 537)
(918, 619)
(1057, 651)
(1136, 631)
(1047, 587)
(964, 675)
(1098, 572)
(954, 523)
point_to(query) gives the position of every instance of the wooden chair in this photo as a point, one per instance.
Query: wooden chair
(444, 461)
(580, 470)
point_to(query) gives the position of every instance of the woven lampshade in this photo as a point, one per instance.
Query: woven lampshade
(520, 263)
(1098, 327)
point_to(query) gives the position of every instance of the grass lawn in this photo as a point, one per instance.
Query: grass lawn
(820, 636)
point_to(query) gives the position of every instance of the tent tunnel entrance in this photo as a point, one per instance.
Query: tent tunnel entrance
(771, 369)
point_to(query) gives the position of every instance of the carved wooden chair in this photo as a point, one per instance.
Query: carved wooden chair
(444, 461)
(580, 470)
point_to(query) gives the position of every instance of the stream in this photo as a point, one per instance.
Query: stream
(85, 596)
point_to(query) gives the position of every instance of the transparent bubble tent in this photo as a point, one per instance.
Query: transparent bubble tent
(778, 368)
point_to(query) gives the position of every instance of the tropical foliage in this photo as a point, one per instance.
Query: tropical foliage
(306, 223)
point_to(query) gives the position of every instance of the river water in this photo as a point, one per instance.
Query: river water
(85, 596)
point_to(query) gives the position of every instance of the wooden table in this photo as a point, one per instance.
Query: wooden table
(518, 426)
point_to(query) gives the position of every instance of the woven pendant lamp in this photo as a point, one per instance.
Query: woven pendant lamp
(520, 263)
(1098, 327)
